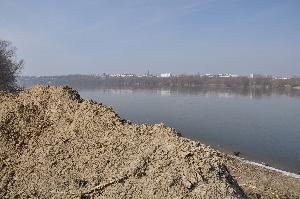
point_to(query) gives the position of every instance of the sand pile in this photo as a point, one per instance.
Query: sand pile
(55, 145)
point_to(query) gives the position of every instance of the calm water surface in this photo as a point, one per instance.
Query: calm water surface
(264, 129)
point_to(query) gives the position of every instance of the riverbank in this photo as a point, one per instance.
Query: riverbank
(54, 144)
(260, 181)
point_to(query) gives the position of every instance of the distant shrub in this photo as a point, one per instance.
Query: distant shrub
(10, 67)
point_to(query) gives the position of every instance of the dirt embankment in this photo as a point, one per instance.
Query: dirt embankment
(53, 144)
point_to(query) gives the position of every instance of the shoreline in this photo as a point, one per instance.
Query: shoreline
(286, 173)
(255, 161)
(185, 122)
(84, 148)
(260, 181)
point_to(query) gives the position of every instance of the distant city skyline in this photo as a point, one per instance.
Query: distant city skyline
(169, 74)
(172, 36)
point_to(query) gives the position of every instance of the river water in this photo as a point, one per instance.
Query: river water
(263, 128)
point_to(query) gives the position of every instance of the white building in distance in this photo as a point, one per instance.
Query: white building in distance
(165, 75)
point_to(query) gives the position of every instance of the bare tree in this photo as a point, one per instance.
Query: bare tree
(10, 66)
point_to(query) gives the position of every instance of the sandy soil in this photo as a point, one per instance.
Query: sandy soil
(259, 182)
(53, 144)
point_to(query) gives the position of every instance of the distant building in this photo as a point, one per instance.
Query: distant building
(252, 75)
(115, 75)
(281, 78)
(127, 75)
(165, 75)
(123, 75)
(209, 75)
(227, 75)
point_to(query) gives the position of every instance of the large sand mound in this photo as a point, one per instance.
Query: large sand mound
(55, 145)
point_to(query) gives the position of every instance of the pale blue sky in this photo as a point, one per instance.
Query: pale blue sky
(179, 36)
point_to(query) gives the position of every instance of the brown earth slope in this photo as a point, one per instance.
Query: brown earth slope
(55, 145)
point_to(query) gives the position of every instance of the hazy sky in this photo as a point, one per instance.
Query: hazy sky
(178, 36)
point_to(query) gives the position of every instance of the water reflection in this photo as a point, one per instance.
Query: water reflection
(252, 93)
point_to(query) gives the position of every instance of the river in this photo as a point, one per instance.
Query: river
(263, 128)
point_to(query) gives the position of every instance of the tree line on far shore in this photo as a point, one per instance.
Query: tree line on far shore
(181, 81)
